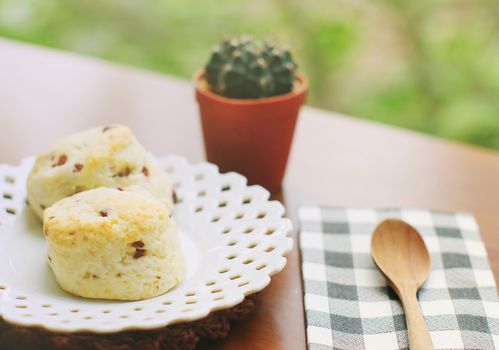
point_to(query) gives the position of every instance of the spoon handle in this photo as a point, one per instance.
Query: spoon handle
(419, 336)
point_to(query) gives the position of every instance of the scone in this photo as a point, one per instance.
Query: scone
(108, 156)
(109, 243)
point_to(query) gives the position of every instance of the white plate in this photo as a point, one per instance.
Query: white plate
(233, 238)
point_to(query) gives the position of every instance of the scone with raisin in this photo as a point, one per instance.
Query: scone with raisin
(108, 156)
(108, 243)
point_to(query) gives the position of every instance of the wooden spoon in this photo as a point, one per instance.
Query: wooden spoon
(400, 253)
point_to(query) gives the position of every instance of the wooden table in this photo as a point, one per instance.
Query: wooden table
(335, 160)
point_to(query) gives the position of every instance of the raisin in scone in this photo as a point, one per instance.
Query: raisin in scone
(107, 156)
(111, 243)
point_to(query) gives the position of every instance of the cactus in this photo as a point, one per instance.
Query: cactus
(242, 68)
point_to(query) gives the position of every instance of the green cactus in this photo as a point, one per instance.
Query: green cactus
(242, 68)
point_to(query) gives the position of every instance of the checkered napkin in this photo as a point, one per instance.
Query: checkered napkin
(348, 304)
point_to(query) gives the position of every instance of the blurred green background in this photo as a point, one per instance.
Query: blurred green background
(428, 65)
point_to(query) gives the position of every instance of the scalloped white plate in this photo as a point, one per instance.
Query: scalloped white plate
(233, 238)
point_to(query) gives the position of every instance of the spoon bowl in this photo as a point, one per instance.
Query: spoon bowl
(400, 253)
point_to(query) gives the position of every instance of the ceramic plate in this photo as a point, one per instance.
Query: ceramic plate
(233, 238)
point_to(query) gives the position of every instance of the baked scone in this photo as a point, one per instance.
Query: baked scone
(107, 156)
(107, 243)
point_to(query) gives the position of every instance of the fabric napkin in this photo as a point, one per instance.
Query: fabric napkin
(348, 304)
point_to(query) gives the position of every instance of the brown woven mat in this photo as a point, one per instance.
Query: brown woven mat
(184, 336)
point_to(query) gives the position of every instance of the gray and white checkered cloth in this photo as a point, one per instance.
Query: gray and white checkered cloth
(348, 304)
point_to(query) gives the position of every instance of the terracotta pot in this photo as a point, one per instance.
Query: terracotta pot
(252, 137)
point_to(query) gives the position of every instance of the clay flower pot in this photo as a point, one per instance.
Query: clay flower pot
(250, 136)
